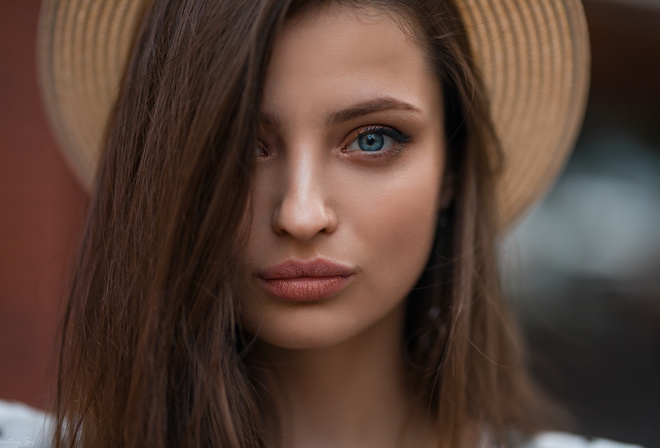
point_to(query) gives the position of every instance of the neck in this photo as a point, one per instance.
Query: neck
(348, 395)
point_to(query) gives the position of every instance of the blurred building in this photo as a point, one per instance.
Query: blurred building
(583, 268)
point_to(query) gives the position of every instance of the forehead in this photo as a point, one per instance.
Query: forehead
(335, 55)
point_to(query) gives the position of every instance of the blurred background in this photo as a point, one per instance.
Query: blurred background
(582, 269)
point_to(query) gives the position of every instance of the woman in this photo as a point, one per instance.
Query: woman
(292, 226)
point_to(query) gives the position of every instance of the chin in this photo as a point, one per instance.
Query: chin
(323, 327)
(300, 330)
(303, 340)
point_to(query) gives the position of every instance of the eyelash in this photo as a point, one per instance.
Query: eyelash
(400, 140)
(399, 145)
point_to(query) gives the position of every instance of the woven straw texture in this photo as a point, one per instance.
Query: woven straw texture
(534, 55)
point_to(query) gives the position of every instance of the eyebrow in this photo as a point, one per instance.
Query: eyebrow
(370, 107)
(359, 110)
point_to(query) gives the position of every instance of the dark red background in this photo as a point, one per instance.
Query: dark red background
(41, 210)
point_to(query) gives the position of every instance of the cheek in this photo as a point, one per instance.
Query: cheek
(396, 223)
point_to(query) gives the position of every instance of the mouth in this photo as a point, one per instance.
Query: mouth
(295, 281)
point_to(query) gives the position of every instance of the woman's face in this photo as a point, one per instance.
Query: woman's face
(348, 177)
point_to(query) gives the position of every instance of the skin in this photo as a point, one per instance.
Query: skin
(335, 365)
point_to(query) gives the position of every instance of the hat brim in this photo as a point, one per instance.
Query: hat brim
(534, 56)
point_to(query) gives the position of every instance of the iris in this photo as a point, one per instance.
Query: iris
(371, 142)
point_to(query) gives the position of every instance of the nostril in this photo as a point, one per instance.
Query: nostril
(303, 220)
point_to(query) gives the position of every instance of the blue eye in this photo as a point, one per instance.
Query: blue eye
(377, 139)
(371, 142)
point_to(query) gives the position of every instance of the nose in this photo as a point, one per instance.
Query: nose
(304, 210)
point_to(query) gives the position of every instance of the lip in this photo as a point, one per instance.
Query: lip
(305, 281)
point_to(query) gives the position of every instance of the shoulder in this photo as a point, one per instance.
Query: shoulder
(564, 440)
(23, 426)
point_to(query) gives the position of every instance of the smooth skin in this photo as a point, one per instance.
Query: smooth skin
(349, 169)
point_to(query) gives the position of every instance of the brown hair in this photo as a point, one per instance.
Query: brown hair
(150, 349)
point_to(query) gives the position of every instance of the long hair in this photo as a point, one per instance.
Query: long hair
(150, 353)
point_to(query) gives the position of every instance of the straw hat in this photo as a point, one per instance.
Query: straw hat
(534, 55)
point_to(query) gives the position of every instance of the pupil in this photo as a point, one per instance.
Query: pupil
(371, 142)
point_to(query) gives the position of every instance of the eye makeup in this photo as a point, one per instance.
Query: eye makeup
(375, 142)
(369, 143)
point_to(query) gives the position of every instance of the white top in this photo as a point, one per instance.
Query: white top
(563, 440)
(23, 426)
